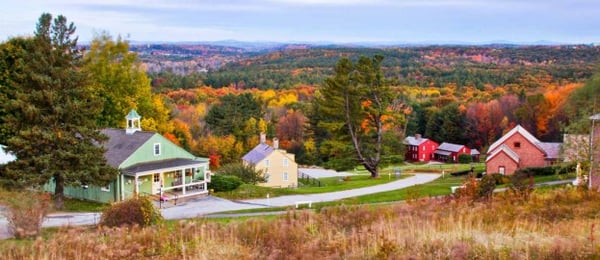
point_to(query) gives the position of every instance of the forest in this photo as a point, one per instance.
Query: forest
(460, 94)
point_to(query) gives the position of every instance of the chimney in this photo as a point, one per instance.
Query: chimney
(263, 138)
(417, 136)
(275, 143)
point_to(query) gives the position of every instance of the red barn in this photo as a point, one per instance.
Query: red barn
(448, 152)
(419, 148)
(519, 149)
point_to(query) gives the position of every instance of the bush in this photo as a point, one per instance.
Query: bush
(220, 182)
(465, 158)
(486, 187)
(549, 170)
(246, 172)
(522, 183)
(135, 211)
(25, 212)
(499, 178)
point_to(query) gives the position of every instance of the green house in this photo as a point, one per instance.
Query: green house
(148, 163)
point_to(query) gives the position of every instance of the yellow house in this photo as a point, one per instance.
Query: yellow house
(278, 166)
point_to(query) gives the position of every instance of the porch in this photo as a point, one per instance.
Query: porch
(182, 177)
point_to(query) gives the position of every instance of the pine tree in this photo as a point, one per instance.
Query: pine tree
(52, 113)
(353, 106)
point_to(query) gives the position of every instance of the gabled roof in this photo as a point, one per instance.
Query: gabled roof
(475, 152)
(450, 147)
(504, 149)
(552, 149)
(411, 140)
(121, 145)
(260, 152)
(518, 129)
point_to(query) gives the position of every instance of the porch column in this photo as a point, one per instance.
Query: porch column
(136, 187)
(205, 172)
(182, 174)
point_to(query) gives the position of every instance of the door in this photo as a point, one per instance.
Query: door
(501, 170)
(156, 183)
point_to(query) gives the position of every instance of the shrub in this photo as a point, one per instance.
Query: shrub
(465, 158)
(522, 183)
(500, 178)
(460, 173)
(486, 187)
(220, 182)
(135, 211)
(246, 172)
(549, 170)
(25, 212)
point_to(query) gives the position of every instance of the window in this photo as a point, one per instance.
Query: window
(156, 177)
(267, 163)
(156, 149)
(267, 175)
(105, 188)
(501, 170)
(285, 176)
(424, 148)
(517, 144)
(285, 162)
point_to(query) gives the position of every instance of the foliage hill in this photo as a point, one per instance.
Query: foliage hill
(423, 66)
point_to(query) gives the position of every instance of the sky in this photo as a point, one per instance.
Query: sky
(336, 21)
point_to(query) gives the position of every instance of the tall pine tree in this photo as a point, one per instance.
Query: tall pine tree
(354, 106)
(52, 111)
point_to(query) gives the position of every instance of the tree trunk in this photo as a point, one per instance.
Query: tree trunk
(59, 189)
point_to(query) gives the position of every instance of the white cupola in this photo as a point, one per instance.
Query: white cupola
(133, 122)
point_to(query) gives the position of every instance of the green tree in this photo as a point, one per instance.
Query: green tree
(230, 116)
(122, 84)
(354, 108)
(52, 115)
(246, 172)
(12, 66)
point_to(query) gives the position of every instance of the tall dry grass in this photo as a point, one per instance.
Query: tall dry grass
(558, 224)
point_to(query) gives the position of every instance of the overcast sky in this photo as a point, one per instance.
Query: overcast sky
(414, 21)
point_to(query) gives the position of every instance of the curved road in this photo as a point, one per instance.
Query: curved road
(202, 206)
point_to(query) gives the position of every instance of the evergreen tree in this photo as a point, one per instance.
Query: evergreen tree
(353, 106)
(230, 116)
(52, 112)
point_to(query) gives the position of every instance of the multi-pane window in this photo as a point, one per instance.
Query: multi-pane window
(157, 149)
(285, 176)
(285, 162)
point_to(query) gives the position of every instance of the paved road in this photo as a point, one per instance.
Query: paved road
(213, 204)
(202, 206)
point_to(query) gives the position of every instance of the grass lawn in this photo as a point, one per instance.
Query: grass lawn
(438, 187)
(76, 205)
(331, 184)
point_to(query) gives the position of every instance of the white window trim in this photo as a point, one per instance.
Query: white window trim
(285, 162)
(154, 149)
(285, 176)
(267, 162)
(105, 188)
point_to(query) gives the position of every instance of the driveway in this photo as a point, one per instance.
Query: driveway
(202, 206)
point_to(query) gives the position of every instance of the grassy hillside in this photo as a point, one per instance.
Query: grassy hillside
(554, 224)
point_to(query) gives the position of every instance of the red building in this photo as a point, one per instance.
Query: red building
(419, 148)
(519, 149)
(448, 152)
